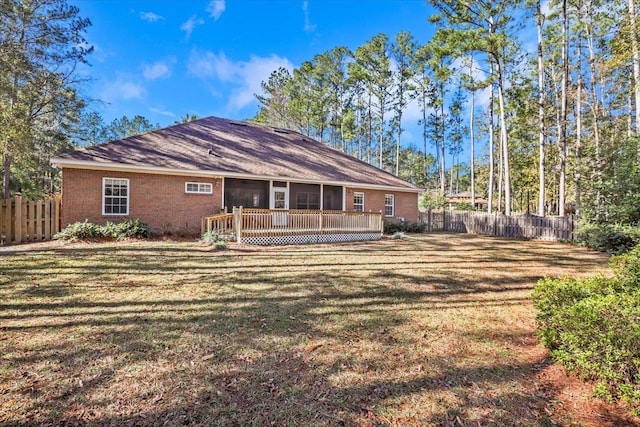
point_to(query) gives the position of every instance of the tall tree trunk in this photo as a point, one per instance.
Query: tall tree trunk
(398, 143)
(636, 66)
(504, 141)
(541, 106)
(424, 135)
(491, 144)
(563, 113)
(442, 151)
(472, 108)
(6, 175)
(578, 171)
(380, 160)
(595, 111)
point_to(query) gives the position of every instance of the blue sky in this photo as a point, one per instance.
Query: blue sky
(165, 59)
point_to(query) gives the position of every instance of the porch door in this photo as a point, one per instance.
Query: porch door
(279, 200)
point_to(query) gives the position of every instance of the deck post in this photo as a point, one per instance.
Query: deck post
(381, 225)
(237, 222)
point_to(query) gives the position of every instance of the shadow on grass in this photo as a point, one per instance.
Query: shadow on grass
(287, 346)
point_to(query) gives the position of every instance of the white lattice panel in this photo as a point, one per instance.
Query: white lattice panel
(309, 239)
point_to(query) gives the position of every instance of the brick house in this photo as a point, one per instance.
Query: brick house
(173, 177)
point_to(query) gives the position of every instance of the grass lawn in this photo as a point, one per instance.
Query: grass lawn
(432, 330)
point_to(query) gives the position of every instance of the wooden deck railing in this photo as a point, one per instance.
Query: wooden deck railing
(253, 223)
(221, 224)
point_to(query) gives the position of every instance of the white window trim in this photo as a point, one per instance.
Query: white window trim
(354, 202)
(393, 205)
(210, 185)
(104, 183)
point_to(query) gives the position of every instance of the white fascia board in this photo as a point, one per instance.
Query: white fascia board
(120, 167)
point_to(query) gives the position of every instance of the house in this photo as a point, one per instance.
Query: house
(173, 177)
(453, 200)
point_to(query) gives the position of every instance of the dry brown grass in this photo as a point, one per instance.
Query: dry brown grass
(431, 330)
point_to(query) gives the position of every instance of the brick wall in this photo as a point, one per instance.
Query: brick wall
(406, 204)
(158, 200)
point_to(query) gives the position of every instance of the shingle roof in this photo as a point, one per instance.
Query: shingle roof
(222, 146)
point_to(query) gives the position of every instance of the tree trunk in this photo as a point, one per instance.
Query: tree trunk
(491, 144)
(6, 175)
(541, 105)
(443, 177)
(577, 174)
(636, 66)
(504, 141)
(595, 111)
(472, 136)
(398, 143)
(563, 113)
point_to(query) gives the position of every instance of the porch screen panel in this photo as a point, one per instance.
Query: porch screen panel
(305, 196)
(332, 198)
(247, 193)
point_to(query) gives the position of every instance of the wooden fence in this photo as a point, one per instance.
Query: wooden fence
(23, 220)
(516, 226)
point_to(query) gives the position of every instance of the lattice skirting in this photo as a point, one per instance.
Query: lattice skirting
(309, 238)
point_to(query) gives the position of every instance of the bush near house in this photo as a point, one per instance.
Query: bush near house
(610, 238)
(391, 227)
(592, 327)
(85, 230)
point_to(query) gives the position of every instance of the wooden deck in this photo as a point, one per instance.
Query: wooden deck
(294, 226)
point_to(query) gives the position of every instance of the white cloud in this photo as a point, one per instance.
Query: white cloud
(308, 26)
(215, 8)
(159, 69)
(162, 112)
(243, 78)
(123, 87)
(191, 24)
(150, 16)
(545, 8)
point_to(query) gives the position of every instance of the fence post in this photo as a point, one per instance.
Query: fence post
(18, 219)
(56, 214)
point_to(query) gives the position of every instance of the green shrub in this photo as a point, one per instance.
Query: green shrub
(592, 326)
(391, 227)
(133, 228)
(87, 230)
(129, 228)
(209, 237)
(610, 238)
(81, 230)
(214, 239)
(220, 245)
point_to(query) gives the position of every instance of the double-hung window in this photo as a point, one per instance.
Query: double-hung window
(115, 196)
(358, 202)
(388, 204)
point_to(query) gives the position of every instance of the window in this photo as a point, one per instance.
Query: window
(115, 196)
(198, 188)
(358, 202)
(307, 200)
(388, 204)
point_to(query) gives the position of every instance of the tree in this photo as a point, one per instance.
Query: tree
(482, 27)
(42, 43)
(403, 51)
(186, 119)
(124, 127)
(372, 67)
